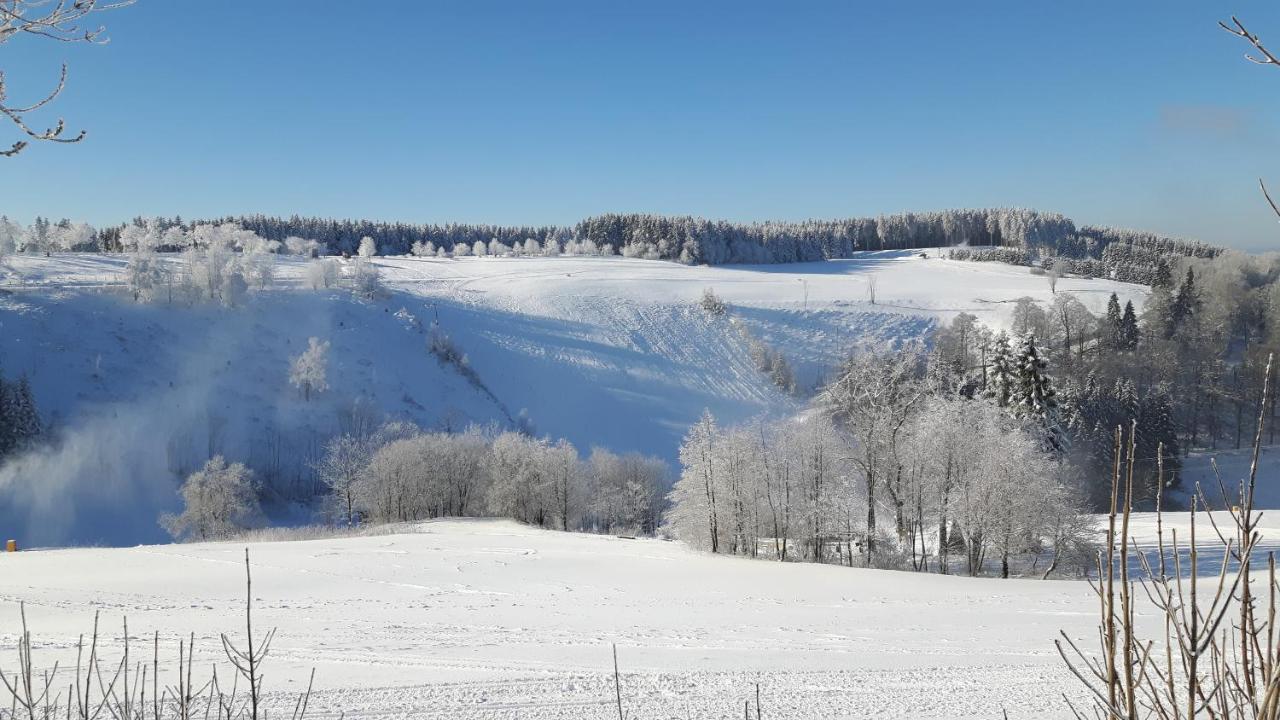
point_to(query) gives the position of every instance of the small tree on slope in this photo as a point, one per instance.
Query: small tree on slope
(310, 369)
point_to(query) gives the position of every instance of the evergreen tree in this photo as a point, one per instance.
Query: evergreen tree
(24, 417)
(1000, 373)
(1035, 397)
(1185, 304)
(1163, 276)
(1110, 334)
(1129, 328)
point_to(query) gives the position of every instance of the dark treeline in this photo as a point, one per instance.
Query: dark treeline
(714, 242)
(1124, 255)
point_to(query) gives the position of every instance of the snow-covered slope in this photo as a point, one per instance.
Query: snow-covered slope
(602, 351)
(490, 619)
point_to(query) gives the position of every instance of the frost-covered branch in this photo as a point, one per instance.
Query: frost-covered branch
(59, 20)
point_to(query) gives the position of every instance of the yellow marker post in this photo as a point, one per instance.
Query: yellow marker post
(11, 546)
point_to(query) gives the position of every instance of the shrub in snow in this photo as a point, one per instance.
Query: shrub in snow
(322, 274)
(144, 274)
(218, 501)
(712, 304)
(368, 248)
(365, 279)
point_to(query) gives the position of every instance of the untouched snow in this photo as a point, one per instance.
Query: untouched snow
(490, 619)
(608, 352)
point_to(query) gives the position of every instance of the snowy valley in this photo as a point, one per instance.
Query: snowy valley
(610, 352)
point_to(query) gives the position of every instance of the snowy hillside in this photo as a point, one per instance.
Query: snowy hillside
(602, 351)
(490, 619)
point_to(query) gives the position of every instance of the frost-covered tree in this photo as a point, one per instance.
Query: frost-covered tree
(873, 398)
(364, 278)
(309, 371)
(368, 248)
(521, 487)
(218, 500)
(694, 514)
(1001, 373)
(146, 275)
(322, 273)
(295, 245)
(479, 249)
(1035, 396)
(339, 469)
(11, 236)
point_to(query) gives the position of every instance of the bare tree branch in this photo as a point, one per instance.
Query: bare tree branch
(1238, 29)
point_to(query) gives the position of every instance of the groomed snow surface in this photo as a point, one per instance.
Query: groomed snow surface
(490, 619)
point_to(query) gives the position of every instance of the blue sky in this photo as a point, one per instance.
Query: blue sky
(1139, 114)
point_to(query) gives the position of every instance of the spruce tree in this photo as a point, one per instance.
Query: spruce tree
(25, 418)
(1035, 397)
(1111, 325)
(1001, 372)
(1129, 328)
(1184, 305)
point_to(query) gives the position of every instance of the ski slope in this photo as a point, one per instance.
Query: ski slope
(490, 619)
(608, 352)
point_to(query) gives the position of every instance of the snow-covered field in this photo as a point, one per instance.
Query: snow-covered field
(490, 619)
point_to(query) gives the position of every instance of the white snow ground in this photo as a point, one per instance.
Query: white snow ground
(612, 352)
(490, 619)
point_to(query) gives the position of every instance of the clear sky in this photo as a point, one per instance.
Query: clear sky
(1139, 114)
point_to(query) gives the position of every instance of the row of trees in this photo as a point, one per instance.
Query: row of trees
(1127, 257)
(1188, 372)
(222, 263)
(965, 480)
(685, 239)
(399, 472)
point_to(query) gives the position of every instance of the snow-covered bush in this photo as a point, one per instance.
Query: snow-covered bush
(145, 275)
(322, 273)
(368, 248)
(218, 501)
(364, 278)
(712, 304)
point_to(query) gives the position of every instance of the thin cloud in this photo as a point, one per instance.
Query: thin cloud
(1211, 122)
